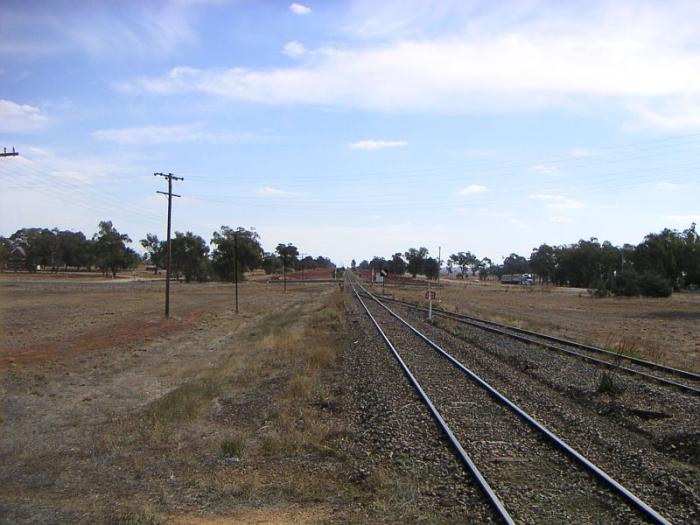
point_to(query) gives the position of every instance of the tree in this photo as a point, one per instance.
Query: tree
(515, 263)
(378, 263)
(396, 265)
(690, 256)
(250, 252)
(190, 256)
(465, 260)
(353, 264)
(5, 250)
(155, 250)
(288, 253)
(543, 262)
(73, 249)
(39, 245)
(431, 268)
(111, 251)
(271, 263)
(416, 258)
(485, 268)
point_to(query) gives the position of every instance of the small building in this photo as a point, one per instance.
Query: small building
(17, 261)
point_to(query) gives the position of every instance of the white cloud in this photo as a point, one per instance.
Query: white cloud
(668, 113)
(669, 186)
(686, 219)
(557, 201)
(558, 219)
(584, 153)
(272, 191)
(369, 145)
(478, 153)
(546, 169)
(299, 9)
(472, 189)
(168, 135)
(539, 60)
(20, 118)
(140, 28)
(294, 49)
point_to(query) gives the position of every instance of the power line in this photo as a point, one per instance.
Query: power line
(72, 193)
(621, 152)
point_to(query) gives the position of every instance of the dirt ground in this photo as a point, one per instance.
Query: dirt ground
(665, 330)
(111, 414)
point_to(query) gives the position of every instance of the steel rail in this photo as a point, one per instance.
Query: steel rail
(502, 330)
(633, 500)
(466, 460)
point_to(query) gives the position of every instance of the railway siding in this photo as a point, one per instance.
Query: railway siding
(613, 432)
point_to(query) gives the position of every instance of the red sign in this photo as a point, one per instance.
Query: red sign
(430, 295)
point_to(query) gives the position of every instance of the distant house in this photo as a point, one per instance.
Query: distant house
(17, 261)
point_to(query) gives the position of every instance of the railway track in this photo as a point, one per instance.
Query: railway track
(527, 473)
(683, 380)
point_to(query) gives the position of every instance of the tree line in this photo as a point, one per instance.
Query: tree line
(662, 262)
(191, 256)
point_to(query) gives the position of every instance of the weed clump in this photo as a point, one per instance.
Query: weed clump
(607, 384)
(233, 446)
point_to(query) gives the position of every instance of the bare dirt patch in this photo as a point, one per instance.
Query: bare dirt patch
(663, 330)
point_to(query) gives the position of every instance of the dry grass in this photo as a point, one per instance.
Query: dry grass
(635, 346)
(667, 329)
(280, 368)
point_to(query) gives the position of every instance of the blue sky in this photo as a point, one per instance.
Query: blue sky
(355, 128)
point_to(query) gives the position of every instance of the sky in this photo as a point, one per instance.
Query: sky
(354, 128)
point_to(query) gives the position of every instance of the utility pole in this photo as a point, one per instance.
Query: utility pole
(6, 153)
(439, 265)
(235, 264)
(284, 271)
(170, 178)
(302, 266)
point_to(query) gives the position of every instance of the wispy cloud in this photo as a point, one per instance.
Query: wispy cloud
(479, 153)
(559, 219)
(369, 145)
(20, 118)
(557, 201)
(472, 189)
(540, 60)
(546, 169)
(294, 49)
(299, 9)
(584, 153)
(669, 186)
(169, 135)
(271, 191)
(141, 28)
(687, 219)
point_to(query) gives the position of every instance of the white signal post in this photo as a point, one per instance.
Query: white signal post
(430, 295)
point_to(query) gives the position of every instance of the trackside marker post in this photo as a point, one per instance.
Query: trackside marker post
(430, 295)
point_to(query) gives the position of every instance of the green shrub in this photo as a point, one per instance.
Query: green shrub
(626, 283)
(654, 285)
(600, 288)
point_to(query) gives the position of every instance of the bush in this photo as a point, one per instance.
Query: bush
(626, 283)
(654, 285)
(600, 288)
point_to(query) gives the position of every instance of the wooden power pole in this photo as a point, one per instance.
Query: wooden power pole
(170, 178)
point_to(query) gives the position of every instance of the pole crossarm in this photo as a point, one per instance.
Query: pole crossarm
(6, 153)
